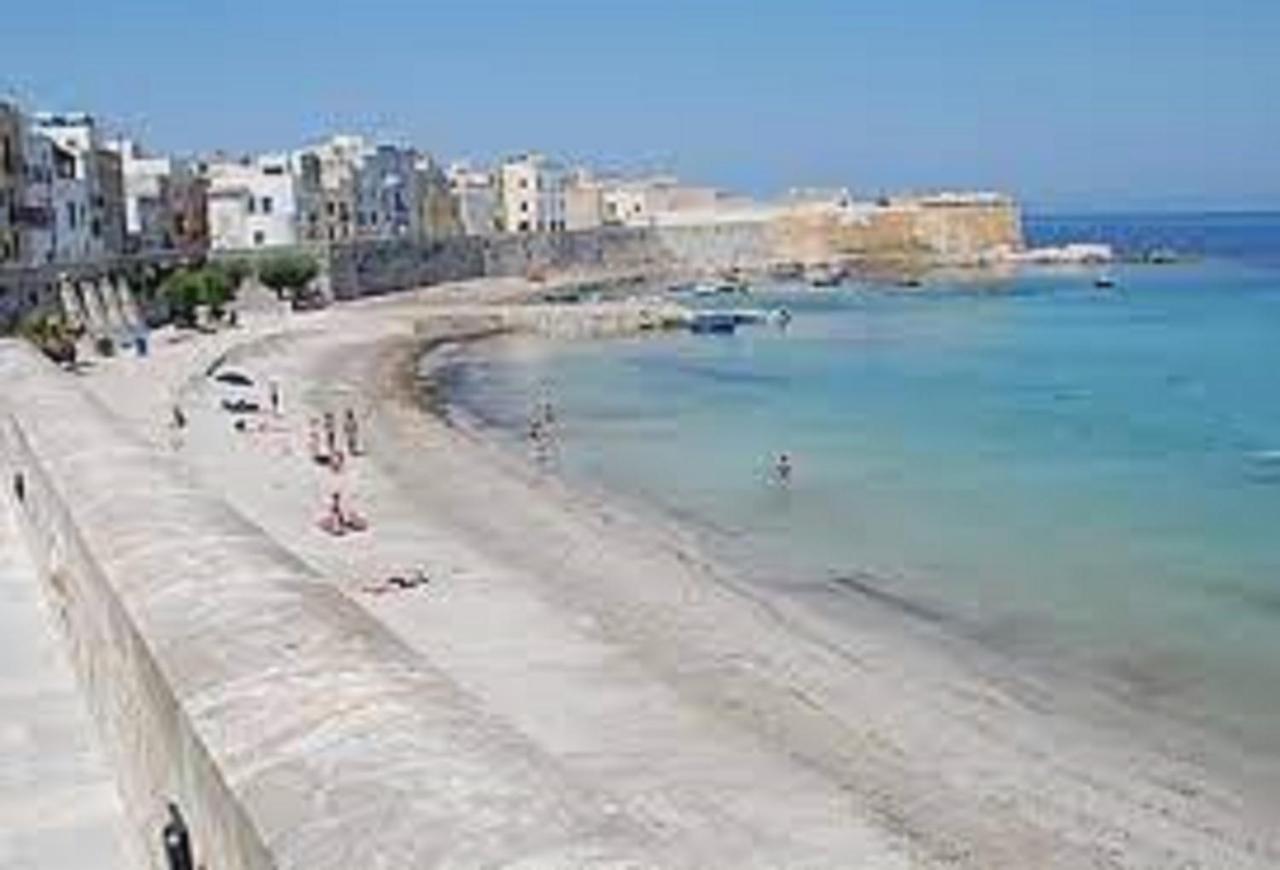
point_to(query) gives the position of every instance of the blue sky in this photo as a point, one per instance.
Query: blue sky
(1124, 104)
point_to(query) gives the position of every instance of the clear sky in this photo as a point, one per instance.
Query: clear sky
(1067, 103)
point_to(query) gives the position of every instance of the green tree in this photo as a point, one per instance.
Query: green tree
(51, 336)
(287, 274)
(187, 289)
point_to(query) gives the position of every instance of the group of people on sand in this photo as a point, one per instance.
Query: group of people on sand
(330, 448)
(324, 444)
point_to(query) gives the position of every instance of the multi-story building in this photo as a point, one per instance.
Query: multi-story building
(91, 179)
(441, 215)
(364, 191)
(330, 169)
(531, 194)
(388, 197)
(476, 198)
(107, 200)
(11, 183)
(583, 201)
(38, 214)
(164, 201)
(73, 236)
(253, 203)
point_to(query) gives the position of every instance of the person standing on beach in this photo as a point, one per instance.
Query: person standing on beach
(275, 398)
(313, 440)
(351, 428)
(330, 433)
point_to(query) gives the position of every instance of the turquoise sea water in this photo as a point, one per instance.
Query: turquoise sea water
(1064, 474)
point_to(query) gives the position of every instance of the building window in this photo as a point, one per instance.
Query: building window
(258, 238)
(71, 215)
(523, 226)
(253, 205)
(266, 205)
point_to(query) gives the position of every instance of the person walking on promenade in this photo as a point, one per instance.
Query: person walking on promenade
(275, 398)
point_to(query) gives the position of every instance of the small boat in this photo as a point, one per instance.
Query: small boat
(720, 322)
(910, 281)
(719, 288)
(824, 276)
(1104, 282)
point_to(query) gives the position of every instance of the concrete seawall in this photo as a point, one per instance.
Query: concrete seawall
(291, 729)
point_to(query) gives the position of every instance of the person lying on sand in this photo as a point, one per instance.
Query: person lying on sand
(397, 582)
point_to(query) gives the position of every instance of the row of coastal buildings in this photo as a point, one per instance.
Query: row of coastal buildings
(71, 193)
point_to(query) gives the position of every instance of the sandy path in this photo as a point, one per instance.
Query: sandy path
(737, 725)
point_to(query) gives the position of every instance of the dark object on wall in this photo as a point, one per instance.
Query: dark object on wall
(177, 841)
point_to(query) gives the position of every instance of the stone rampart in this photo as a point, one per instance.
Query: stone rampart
(370, 268)
(947, 232)
(291, 729)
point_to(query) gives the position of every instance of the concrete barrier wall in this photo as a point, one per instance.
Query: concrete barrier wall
(292, 729)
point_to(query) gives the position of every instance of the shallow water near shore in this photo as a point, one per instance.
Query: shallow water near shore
(1061, 474)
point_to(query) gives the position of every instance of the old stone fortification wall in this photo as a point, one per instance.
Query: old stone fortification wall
(369, 268)
(952, 233)
(291, 729)
(931, 233)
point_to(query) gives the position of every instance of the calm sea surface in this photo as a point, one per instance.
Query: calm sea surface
(1083, 476)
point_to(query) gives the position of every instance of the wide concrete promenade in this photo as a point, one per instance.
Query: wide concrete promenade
(292, 729)
(59, 808)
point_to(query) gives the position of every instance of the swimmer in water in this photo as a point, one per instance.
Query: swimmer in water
(782, 468)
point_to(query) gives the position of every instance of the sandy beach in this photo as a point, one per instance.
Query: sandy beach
(743, 729)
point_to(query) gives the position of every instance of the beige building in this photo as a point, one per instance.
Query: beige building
(531, 194)
(583, 201)
(659, 200)
(475, 195)
(330, 169)
(441, 215)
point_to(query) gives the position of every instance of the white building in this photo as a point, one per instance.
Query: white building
(477, 199)
(147, 196)
(531, 194)
(77, 219)
(657, 201)
(253, 203)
